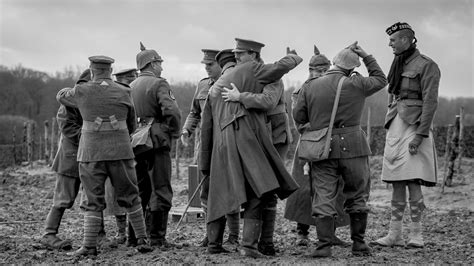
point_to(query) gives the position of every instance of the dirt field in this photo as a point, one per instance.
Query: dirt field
(26, 194)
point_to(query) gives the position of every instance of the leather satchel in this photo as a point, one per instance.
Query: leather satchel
(314, 145)
(141, 138)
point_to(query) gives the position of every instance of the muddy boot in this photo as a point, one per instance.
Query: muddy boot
(215, 234)
(158, 227)
(121, 221)
(135, 216)
(416, 237)
(265, 245)
(50, 240)
(325, 231)
(358, 226)
(251, 233)
(92, 226)
(394, 236)
(233, 224)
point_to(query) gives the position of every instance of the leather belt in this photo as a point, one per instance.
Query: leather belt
(104, 126)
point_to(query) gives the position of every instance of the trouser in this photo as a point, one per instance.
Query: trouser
(156, 165)
(65, 191)
(122, 176)
(355, 173)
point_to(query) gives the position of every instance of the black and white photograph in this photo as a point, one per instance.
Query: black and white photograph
(236, 132)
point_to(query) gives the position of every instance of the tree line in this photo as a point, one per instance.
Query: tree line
(28, 94)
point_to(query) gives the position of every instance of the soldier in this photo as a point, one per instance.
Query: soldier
(271, 101)
(155, 103)
(239, 139)
(65, 164)
(213, 70)
(126, 76)
(298, 204)
(349, 149)
(123, 77)
(105, 150)
(409, 159)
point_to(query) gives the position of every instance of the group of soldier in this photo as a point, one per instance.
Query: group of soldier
(240, 121)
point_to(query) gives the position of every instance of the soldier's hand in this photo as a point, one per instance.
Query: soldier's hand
(358, 50)
(289, 51)
(414, 144)
(231, 95)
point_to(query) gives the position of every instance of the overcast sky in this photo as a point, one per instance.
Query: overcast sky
(49, 35)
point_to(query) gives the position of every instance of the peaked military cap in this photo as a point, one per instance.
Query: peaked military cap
(243, 45)
(126, 72)
(101, 61)
(209, 55)
(145, 57)
(223, 55)
(398, 27)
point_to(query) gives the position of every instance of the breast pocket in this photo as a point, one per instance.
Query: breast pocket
(410, 82)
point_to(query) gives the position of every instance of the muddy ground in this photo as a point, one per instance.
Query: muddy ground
(26, 194)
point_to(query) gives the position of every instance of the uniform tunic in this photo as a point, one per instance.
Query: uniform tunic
(192, 125)
(298, 206)
(104, 147)
(236, 144)
(349, 149)
(153, 99)
(65, 162)
(411, 113)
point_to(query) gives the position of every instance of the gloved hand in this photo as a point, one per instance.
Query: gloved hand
(413, 145)
(205, 172)
(288, 51)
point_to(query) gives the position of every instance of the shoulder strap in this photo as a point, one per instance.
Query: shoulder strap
(336, 103)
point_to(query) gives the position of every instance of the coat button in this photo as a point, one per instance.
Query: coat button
(342, 126)
(331, 138)
(344, 149)
(342, 138)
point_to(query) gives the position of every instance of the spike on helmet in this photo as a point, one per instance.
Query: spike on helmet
(144, 57)
(318, 59)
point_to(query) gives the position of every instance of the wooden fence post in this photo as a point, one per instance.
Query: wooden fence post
(24, 146)
(29, 134)
(46, 142)
(52, 150)
(461, 140)
(14, 145)
(446, 155)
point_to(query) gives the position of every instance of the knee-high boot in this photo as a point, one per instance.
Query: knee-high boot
(358, 226)
(233, 224)
(325, 231)
(50, 238)
(215, 234)
(251, 233)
